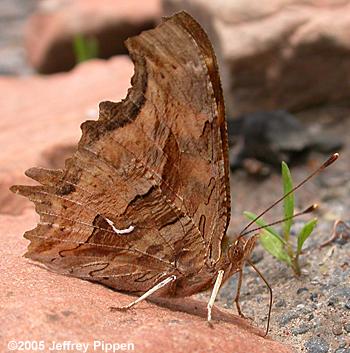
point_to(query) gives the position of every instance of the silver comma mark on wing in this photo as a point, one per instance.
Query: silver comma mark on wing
(120, 231)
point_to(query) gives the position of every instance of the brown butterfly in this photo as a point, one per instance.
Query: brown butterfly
(144, 203)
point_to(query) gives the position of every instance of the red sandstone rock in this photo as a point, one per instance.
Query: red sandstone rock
(40, 117)
(36, 304)
(289, 54)
(51, 30)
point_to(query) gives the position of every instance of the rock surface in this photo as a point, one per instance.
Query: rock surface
(13, 14)
(275, 136)
(40, 305)
(51, 30)
(287, 54)
(57, 104)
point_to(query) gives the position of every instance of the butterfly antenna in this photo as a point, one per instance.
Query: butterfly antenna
(307, 210)
(326, 164)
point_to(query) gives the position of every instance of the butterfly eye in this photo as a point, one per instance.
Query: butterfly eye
(235, 251)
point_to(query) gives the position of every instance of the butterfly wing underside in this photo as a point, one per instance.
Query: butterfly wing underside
(146, 194)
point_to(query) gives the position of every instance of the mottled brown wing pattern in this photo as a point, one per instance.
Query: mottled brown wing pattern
(146, 194)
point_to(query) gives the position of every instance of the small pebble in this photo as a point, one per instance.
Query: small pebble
(287, 317)
(347, 304)
(332, 301)
(315, 281)
(311, 317)
(301, 329)
(347, 327)
(313, 297)
(317, 345)
(337, 329)
(342, 344)
(280, 303)
(304, 272)
(301, 290)
(341, 241)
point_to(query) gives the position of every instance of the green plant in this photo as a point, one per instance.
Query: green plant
(280, 246)
(85, 48)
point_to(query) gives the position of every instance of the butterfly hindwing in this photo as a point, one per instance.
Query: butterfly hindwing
(146, 194)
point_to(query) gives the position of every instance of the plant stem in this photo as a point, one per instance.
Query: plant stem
(294, 259)
(286, 237)
(296, 266)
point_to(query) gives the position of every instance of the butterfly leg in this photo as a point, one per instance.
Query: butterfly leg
(146, 295)
(214, 293)
(238, 292)
(270, 292)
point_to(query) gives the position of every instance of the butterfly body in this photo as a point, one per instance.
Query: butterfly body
(231, 262)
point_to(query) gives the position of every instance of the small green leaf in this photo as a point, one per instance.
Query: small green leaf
(261, 223)
(93, 48)
(85, 48)
(274, 246)
(305, 233)
(288, 202)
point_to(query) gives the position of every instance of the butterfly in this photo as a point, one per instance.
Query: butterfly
(143, 205)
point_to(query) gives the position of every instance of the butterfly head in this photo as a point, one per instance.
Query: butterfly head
(241, 250)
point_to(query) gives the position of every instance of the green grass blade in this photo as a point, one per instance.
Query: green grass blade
(84, 48)
(261, 223)
(79, 48)
(93, 48)
(288, 202)
(305, 233)
(274, 246)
